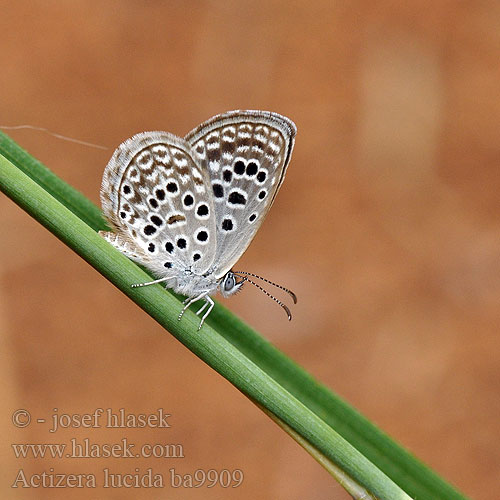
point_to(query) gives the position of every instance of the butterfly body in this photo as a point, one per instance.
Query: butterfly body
(187, 208)
(191, 284)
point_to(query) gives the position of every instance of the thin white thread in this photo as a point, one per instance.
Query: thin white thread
(58, 136)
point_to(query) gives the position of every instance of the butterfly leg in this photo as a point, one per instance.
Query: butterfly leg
(190, 301)
(137, 285)
(210, 301)
(198, 312)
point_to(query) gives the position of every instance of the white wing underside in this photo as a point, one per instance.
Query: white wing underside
(195, 204)
(246, 154)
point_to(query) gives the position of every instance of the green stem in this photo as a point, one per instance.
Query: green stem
(235, 350)
(207, 344)
(353, 488)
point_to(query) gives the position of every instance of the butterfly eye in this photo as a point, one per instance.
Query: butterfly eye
(229, 283)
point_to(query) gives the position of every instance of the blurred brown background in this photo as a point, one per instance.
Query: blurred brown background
(387, 228)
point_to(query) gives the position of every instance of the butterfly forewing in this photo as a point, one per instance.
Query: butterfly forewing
(246, 154)
(159, 200)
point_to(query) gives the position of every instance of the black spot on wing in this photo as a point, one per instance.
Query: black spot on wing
(236, 198)
(218, 190)
(251, 169)
(239, 167)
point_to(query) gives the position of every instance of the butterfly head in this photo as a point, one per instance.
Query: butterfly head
(229, 285)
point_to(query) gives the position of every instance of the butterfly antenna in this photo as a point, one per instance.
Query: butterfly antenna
(58, 136)
(289, 314)
(294, 297)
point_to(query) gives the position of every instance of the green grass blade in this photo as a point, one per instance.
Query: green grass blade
(60, 190)
(323, 410)
(208, 344)
(353, 488)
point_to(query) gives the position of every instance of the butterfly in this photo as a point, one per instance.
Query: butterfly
(187, 209)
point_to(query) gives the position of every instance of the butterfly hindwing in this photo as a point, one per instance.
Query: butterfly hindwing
(246, 154)
(158, 199)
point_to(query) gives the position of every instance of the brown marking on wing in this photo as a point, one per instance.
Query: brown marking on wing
(175, 218)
